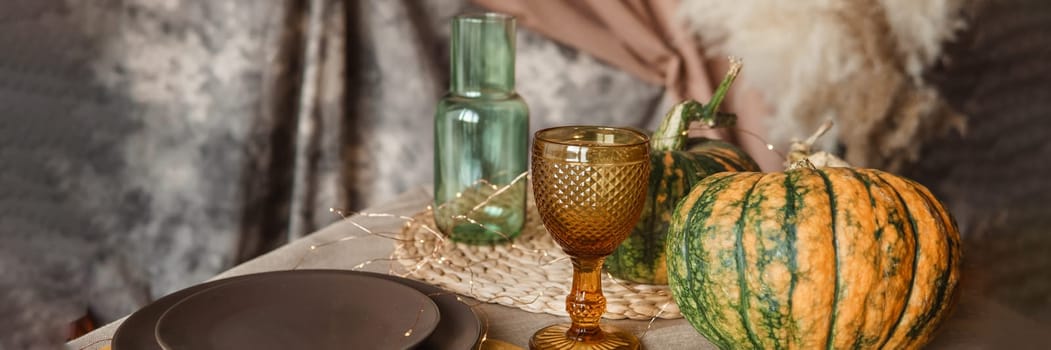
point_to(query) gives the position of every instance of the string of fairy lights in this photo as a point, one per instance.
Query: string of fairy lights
(434, 255)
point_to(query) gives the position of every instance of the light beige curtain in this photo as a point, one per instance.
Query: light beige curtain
(644, 38)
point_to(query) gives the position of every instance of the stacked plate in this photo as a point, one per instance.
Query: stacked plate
(303, 309)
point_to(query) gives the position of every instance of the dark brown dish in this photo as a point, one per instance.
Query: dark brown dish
(459, 327)
(300, 311)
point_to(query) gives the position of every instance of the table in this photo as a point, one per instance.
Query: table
(977, 323)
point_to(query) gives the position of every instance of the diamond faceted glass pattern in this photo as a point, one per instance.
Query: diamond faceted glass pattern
(590, 208)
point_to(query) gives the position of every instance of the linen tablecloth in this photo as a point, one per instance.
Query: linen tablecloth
(977, 323)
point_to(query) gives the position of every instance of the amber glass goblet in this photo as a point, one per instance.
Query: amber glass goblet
(590, 185)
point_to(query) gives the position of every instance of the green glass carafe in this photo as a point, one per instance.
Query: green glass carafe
(481, 135)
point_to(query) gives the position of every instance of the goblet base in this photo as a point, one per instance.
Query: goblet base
(554, 337)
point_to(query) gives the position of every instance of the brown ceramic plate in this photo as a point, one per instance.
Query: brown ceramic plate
(458, 329)
(300, 310)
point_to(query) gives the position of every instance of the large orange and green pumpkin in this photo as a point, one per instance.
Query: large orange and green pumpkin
(676, 164)
(829, 258)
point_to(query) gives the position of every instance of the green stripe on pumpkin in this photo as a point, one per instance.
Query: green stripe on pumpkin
(945, 281)
(721, 292)
(857, 262)
(789, 225)
(899, 338)
(899, 216)
(695, 207)
(814, 294)
(767, 251)
(835, 244)
(744, 298)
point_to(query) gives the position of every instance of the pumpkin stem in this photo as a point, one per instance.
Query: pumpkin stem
(720, 93)
(800, 150)
(801, 153)
(802, 163)
(671, 134)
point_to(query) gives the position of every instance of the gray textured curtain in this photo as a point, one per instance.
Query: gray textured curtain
(136, 138)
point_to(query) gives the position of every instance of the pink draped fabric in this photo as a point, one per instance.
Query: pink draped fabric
(643, 38)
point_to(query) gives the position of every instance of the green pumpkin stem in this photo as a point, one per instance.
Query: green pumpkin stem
(671, 134)
(712, 108)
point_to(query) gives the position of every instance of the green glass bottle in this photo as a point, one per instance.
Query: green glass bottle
(481, 135)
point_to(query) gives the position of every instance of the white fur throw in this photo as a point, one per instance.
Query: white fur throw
(859, 63)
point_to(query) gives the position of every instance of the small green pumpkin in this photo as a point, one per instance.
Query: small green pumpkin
(813, 257)
(676, 165)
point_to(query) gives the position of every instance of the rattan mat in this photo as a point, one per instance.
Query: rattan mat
(532, 274)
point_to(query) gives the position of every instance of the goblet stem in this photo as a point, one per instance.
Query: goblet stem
(585, 302)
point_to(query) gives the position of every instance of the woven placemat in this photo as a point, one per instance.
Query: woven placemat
(532, 273)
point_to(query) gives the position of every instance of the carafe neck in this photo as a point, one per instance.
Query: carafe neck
(483, 56)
